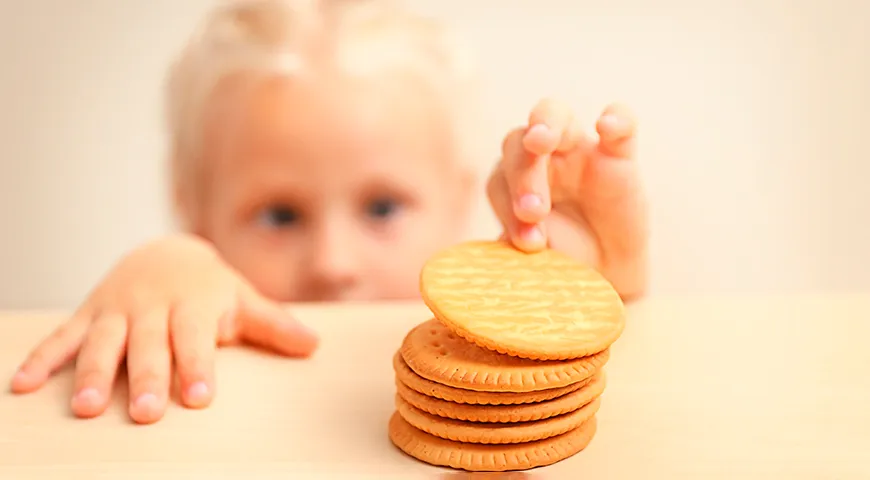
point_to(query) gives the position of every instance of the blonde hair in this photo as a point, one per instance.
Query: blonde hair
(284, 37)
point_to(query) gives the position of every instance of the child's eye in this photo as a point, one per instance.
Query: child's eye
(279, 217)
(382, 209)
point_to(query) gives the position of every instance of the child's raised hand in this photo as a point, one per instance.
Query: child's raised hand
(558, 186)
(169, 303)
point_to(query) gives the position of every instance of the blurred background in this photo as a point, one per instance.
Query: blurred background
(754, 123)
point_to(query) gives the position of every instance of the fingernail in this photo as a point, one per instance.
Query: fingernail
(20, 376)
(300, 328)
(530, 202)
(88, 396)
(539, 128)
(610, 120)
(198, 391)
(146, 401)
(534, 235)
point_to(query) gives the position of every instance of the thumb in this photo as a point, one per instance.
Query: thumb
(266, 324)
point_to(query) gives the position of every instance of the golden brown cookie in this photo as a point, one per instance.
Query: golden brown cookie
(504, 413)
(492, 433)
(434, 352)
(542, 305)
(488, 458)
(457, 395)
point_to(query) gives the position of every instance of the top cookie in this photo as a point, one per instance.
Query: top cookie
(542, 306)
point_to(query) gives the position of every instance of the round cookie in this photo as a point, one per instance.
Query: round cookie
(458, 395)
(504, 413)
(543, 305)
(434, 352)
(495, 433)
(488, 458)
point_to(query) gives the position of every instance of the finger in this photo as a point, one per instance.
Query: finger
(613, 199)
(524, 236)
(614, 203)
(97, 364)
(548, 127)
(527, 179)
(616, 130)
(53, 353)
(266, 324)
(149, 365)
(193, 333)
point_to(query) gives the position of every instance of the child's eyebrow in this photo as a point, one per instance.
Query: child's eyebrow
(380, 187)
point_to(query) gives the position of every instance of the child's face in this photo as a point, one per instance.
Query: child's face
(331, 189)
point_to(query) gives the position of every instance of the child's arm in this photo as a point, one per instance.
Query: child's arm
(172, 301)
(556, 186)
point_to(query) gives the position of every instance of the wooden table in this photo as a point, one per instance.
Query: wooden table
(699, 387)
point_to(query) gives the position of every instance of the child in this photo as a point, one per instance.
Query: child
(319, 155)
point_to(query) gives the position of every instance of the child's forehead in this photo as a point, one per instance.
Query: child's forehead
(335, 122)
(325, 99)
(334, 107)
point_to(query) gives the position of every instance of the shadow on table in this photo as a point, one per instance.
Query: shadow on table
(488, 476)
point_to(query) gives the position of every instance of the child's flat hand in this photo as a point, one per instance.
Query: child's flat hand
(167, 304)
(558, 186)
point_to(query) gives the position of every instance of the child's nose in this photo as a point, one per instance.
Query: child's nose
(334, 264)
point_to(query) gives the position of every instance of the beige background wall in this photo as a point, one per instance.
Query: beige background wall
(755, 118)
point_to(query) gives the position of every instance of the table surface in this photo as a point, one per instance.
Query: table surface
(698, 387)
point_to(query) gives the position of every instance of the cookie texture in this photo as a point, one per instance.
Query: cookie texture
(495, 433)
(504, 413)
(436, 353)
(408, 378)
(543, 305)
(488, 458)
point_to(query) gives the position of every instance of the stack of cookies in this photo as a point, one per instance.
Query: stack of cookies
(508, 375)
